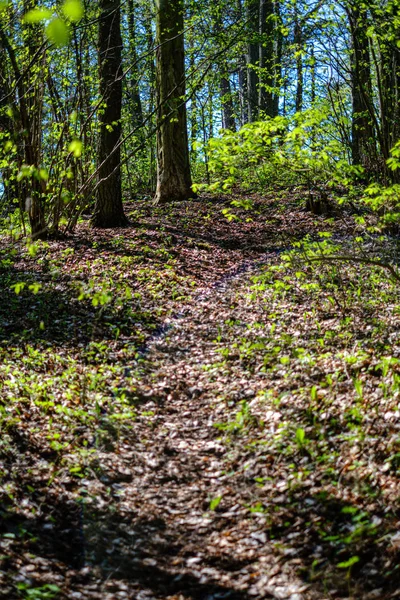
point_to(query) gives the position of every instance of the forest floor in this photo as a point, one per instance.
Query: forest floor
(185, 413)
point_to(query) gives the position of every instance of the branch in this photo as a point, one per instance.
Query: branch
(365, 261)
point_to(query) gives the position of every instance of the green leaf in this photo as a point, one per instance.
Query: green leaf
(76, 147)
(58, 32)
(3, 5)
(35, 288)
(300, 436)
(37, 15)
(18, 287)
(349, 563)
(215, 502)
(349, 510)
(32, 250)
(73, 10)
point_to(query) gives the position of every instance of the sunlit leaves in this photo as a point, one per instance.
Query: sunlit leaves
(37, 15)
(76, 147)
(18, 287)
(57, 32)
(73, 10)
(56, 28)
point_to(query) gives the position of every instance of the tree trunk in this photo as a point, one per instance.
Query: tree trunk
(108, 210)
(389, 69)
(298, 46)
(151, 83)
(363, 147)
(227, 108)
(242, 92)
(136, 102)
(174, 181)
(228, 112)
(278, 58)
(29, 120)
(313, 76)
(266, 58)
(194, 127)
(32, 119)
(252, 59)
(242, 81)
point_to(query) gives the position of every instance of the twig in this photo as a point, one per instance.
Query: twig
(365, 261)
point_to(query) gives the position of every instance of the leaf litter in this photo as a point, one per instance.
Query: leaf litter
(186, 415)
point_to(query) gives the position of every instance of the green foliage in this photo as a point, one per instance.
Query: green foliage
(215, 502)
(37, 15)
(58, 32)
(384, 198)
(56, 28)
(44, 592)
(349, 563)
(73, 10)
(300, 436)
(297, 150)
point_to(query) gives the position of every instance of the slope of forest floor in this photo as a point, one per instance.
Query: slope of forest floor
(186, 415)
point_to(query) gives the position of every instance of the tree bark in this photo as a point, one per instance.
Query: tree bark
(278, 58)
(266, 59)
(252, 59)
(174, 181)
(227, 108)
(134, 93)
(108, 210)
(151, 82)
(363, 146)
(228, 112)
(298, 46)
(29, 121)
(242, 74)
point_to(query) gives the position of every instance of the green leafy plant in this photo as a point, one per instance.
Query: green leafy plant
(56, 28)
(44, 592)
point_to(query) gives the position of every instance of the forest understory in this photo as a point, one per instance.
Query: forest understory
(191, 410)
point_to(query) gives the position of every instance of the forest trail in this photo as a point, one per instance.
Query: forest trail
(200, 300)
(204, 421)
(167, 542)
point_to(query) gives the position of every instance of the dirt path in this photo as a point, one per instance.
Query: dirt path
(159, 538)
(197, 437)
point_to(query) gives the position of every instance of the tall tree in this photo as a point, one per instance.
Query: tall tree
(363, 146)
(136, 102)
(252, 58)
(173, 169)
(298, 46)
(386, 54)
(28, 116)
(278, 34)
(108, 210)
(227, 108)
(242, 75)
(267, 58)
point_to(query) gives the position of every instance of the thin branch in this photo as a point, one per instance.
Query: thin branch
(364, 261)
